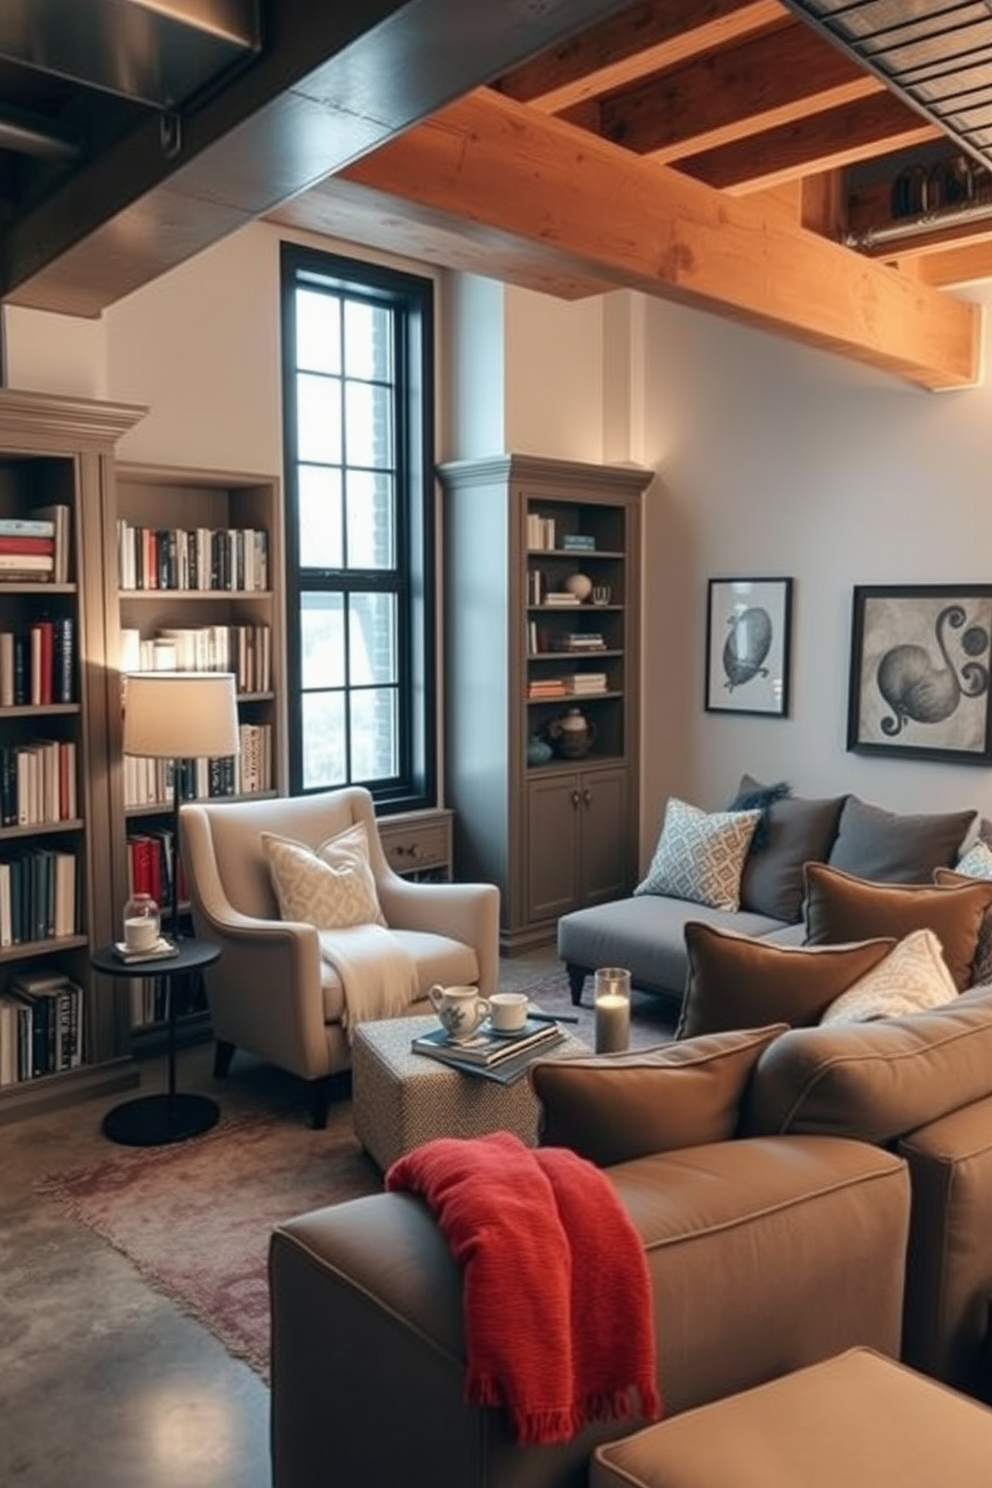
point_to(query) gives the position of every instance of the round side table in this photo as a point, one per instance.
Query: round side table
(152, 1120)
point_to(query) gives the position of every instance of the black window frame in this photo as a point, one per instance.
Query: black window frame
(412, 298)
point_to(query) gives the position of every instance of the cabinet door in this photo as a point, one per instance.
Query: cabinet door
(605, 852)
(552, 856)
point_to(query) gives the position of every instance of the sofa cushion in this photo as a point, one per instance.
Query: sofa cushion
(877, 1080)
(331, 887)
(735, 981)
(700, 855)
(797, 830)
(840, 907)
(912, 976)
(611, 1108)
(975, 863)
(890, 847)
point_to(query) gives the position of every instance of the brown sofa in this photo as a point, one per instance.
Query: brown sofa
(798, 1192)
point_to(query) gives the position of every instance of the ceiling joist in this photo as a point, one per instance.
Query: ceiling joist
(492, 165)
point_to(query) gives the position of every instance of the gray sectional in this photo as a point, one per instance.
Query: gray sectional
(646, 931)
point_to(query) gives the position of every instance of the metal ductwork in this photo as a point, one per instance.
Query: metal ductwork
(936, 54)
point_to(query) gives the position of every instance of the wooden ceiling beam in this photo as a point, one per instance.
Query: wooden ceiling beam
(495, 164)
(767, 82)
(644, 39)
(823, 141)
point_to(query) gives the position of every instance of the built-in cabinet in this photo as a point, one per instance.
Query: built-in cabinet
(542, 617)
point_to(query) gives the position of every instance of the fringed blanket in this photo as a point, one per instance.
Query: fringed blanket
(557, 1297)
(379, 978)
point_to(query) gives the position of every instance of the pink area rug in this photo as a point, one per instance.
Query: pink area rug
(195, 1219)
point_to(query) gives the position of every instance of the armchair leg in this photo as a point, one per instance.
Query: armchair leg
(319, 1095)
(576, 981)
(223, 1054)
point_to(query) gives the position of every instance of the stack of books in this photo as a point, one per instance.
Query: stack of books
(587, 682)
(583, 640)
(35, 550)
(578, 542)
(547, 687)
(561, 597)
(503, 1057)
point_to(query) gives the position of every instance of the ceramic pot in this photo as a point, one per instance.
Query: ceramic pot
(572, 735)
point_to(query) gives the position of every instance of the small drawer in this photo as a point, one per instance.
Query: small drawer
(410, 847)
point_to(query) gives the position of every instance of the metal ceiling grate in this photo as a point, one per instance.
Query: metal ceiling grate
(936, 54)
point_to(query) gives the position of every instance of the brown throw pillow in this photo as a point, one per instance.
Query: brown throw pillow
(840, 907)
(736, 981)
(611, 1108)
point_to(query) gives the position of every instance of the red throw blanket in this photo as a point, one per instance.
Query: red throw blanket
(558, 1314)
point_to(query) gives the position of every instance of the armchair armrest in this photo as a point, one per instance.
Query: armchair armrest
(465, 912)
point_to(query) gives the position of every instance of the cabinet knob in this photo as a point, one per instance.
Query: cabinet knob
(587, 796)
(576, 799)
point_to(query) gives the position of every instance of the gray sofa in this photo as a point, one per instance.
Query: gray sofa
(646, 931)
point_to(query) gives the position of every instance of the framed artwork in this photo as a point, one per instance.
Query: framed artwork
(747, 646)
(919, 685)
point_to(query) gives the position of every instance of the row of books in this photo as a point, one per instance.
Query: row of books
(230, 558)
(245, 650)
(38, 663)
(149, 782)
(575, 684)
(542, 533)
(148, 998)
(38, 782)
(151, 861)
(39, 895)
(41, 1025)
(35, 549)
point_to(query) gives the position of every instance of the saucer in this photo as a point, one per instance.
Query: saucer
(489, 1028)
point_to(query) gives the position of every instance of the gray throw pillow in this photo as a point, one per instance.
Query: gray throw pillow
(797, 830)
(889, 847)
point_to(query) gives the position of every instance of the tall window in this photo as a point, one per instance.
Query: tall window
(358, 417)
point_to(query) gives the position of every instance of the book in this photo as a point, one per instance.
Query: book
(27, 527)
(504, 1071)
(485, 1047)
(163, 951)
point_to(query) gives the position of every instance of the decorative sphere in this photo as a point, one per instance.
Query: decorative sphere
(579, 584)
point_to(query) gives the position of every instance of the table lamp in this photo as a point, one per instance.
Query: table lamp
(177, 716)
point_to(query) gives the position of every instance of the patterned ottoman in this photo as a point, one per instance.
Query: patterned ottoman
(401, 1099)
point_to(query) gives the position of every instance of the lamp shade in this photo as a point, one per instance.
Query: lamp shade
(180, 715)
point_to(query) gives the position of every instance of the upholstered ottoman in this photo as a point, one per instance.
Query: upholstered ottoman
(857, 1420)
(401, 1099)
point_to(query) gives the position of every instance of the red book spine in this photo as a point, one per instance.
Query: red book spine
(26, 544)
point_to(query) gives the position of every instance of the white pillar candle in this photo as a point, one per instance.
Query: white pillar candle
(612, 1004)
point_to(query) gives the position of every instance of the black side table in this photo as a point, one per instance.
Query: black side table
(152, 1120)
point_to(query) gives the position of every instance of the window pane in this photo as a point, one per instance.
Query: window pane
(369, 414)
(371, 519)
(372, 639)
(321, 518)
(374, 748)
(324, 762)
(318, 422)
(322, 640)
(368, 343)
(318, 331)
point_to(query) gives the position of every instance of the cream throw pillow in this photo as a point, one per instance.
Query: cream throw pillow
(700, 856)
(331, 888)
(912, 977)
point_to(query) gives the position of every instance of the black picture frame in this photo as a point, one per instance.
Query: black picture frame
(748, 638)
(921, 665)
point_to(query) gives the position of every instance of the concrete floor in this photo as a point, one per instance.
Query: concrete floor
(104, 1383)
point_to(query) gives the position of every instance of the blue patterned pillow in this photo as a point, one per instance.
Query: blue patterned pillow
(700, 855)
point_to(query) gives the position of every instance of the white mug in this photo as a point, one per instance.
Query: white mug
(460, 1010)
(508, 1011)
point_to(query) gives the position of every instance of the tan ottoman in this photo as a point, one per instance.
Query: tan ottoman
(856, 1421)
(401, 1099)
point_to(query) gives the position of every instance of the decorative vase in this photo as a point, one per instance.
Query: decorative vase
(580, 585)
(539, 751)
(572, 734)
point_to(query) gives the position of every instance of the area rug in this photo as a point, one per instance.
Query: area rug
(195, 1219)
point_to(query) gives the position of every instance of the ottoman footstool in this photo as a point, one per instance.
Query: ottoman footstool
(855, 1421)
(401, 1099)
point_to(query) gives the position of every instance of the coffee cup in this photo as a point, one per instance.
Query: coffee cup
(508, 1011)
(460, 1010)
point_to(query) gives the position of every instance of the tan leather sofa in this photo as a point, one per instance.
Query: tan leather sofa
(848, 1202)
(270, 992)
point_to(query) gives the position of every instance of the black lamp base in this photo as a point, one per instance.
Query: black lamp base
(153, 1120)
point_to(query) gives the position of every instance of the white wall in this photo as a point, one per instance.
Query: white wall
(773, 459)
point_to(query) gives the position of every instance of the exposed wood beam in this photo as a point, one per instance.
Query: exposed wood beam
(769, 81)
(495, 164)
(644, 39)
(822, 141)
(971, 262)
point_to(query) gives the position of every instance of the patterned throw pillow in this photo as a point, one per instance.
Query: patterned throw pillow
(913, 976)
(700, 856)
(331, 888)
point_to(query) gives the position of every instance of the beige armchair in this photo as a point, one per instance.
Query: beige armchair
(271, 992)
